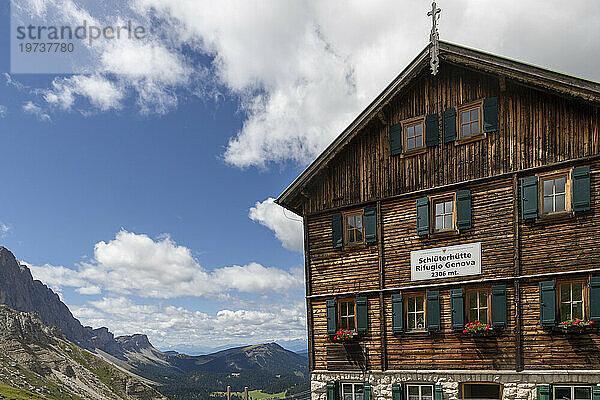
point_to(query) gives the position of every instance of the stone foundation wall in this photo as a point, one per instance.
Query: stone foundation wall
(515, 386)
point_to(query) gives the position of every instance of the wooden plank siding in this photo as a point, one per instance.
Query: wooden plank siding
(544, 349)
(448, 349)
(492, 206)
(333, 271)
(332, 355)
(535, 128)
(564, 243)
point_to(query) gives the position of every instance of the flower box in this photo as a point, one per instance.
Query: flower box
(345, 336)
(575, 326)
(478, 329)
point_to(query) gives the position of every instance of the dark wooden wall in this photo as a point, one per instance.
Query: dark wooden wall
(510, 248)
(535, 128)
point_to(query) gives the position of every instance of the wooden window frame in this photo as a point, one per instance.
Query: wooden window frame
(339, 311)
(407, 123)
(420, 385)
(345, 227)
(584, 296)
(572, 386)
(468, 107)
(566, 173)
(406, 312)
(463, 384)
(442, 198)
(354, 385)
(488, 290)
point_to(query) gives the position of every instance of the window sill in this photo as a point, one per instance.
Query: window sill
(557, 215)
(453, 232)
(412, 153)
(477, 138)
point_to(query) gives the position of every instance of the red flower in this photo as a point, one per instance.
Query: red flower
(465, 331)
(591, 322)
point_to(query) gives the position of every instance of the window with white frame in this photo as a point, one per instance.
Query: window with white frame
(572, 392)
(419, 392)
(352, 391)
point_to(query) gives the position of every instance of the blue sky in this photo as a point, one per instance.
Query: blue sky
(142, 191)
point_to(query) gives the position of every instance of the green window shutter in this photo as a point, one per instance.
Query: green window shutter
(543, 392)
(463, 209)
(594, 299)
(499, 319)
(397, 314)
(449, 117)
(371, 225)
(333, 391)
(439, 392)
(457, 305)
(596, 392)
(367, 391)
(337, 229)
(547, 303)
(433, 311)
(396, 139)
(362, 321)
(331, 317)
(431, 130)
(581, 189)
(529, 197)
(423, 216)
(396, 391)
(490, 114)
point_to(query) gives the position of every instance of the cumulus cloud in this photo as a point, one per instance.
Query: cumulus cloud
(135, 264)
(302, 70)
(31, 108)
(169, 326)
(287, 227)
(3, 111)
(254, 278)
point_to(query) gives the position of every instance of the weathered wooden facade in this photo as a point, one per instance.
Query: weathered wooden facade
(453, 230)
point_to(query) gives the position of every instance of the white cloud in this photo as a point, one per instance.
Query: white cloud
(101, 92)
(169, 326)
(287, 227)
(254, 278)
(3, 111)
(34, 109)
(135, 264)
(89, 290)
(303, 70)
(56, 277)
(4, 229)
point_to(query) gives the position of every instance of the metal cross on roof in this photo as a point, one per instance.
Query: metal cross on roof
(434, 38)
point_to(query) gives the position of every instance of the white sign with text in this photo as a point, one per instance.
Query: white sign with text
(445, 262)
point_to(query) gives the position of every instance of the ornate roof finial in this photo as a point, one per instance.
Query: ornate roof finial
(434, 38)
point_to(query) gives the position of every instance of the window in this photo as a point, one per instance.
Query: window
(414, 134)
(481, 391)
(419, 392)
(572, 392)
(415, 312)
(470, 120)
(443, 214)
(554, 194)
(478, 306)
(571, 300)
(354, 228)
(347, 314)
(352, 391)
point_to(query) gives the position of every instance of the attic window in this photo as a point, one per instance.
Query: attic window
(470, 117)
(414, 134)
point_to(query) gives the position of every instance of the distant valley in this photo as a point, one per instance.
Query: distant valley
(128, 361)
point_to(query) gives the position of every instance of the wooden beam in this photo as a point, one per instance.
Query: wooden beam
(307, 281)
